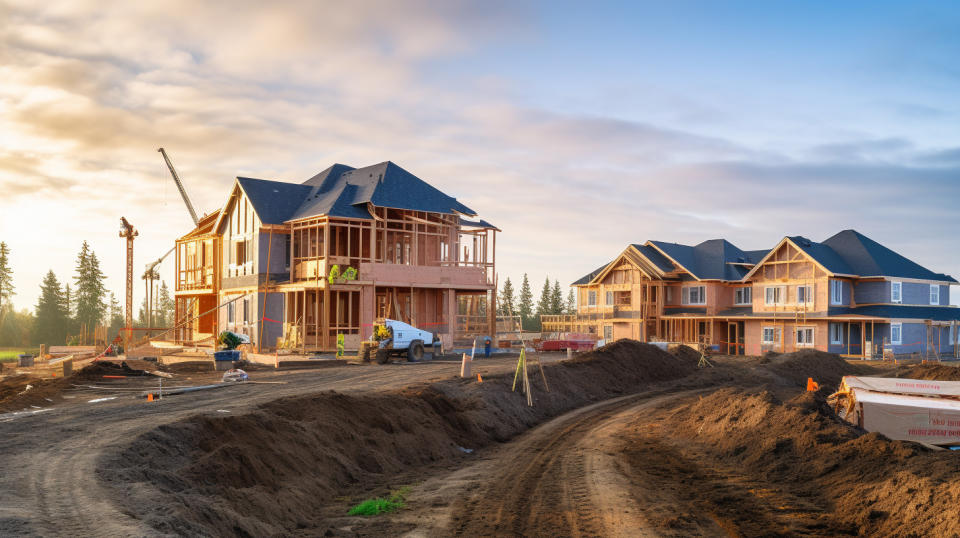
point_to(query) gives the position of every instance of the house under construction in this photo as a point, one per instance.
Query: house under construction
(297, 264)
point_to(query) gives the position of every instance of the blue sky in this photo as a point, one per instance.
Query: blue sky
(575, 127)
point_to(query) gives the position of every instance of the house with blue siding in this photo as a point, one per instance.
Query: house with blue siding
(847, 294)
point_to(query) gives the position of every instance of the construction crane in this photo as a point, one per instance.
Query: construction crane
(149, 274)
(129, 232)
(183, 193)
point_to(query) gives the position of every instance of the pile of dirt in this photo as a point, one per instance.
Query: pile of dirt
(843, 480)
(827, 369)
(686, 353)
(266, 472)
(15, 396)
(933, 372)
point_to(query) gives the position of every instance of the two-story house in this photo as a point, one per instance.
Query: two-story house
(848, 295)
(305, 262)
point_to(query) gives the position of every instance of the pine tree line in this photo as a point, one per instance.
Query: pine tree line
(551, 302)
(63, 310)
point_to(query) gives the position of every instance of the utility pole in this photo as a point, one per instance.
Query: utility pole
(128, 232)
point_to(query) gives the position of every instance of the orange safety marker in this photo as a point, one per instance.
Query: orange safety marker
(479, 379)
(149, 396)
(812, 386)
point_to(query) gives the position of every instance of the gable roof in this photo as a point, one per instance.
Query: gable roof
(655, 257)
(585, 279)
(714, 259)
(866, 257)
(342, 191)
(273, 201)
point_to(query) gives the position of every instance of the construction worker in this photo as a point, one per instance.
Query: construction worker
(486, 347)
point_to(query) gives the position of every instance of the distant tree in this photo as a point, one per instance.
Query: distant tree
(6, 277)
(51, 322)
(571, 303)
(545, 302)
(91, 293)
(165, 306)
(556, 299)
(16, 328)
(525, 302)
(505, 299)
(116, 317)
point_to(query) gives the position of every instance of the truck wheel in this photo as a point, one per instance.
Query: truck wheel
(383, 356)
(415, 351)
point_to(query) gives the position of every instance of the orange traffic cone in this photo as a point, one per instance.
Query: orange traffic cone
(150, 397)
(479, 379)
(812, 386)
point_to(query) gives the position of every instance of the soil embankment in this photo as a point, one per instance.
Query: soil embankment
(268, 471)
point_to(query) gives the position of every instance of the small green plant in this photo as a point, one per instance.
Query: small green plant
(349, 273)
(229, 340)
(381, 505)
(334, 274)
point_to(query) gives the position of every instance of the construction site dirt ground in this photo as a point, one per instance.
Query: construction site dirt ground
(629, 440)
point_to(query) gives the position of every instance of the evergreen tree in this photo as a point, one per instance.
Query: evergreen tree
(91, 305)
(556, 299)
(505, 299)
(116, 317)
(165, 306)
(571, 303)
(525, 302)
(544, 305)
(6, 277)
(51, 322)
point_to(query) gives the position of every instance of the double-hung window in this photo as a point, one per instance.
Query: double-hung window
(669, 293)
(934, 294)
(771, 335)
(694, 295)
(896, 334)
(773, 295)
(804, 336)
(742, 296)
(609, 298)
(231, 311)
(608, 332)
(896, 292)
(591, 298)
(836, 292)
(836, 333)
(804, 294)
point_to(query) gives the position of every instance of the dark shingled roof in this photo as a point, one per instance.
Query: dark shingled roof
(585, 279)
(934, 313)
(852, 253)
(715, 259)
(273, 201)
(343, 191)
(866, 257)
(655, 257)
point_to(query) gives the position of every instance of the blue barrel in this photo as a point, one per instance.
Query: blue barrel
(227, 355)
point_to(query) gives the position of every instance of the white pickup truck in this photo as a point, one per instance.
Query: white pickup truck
(404, 340)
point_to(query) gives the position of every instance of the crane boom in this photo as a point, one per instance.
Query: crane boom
(183, 192)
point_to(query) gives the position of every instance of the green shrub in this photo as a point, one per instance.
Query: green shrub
(380, 505)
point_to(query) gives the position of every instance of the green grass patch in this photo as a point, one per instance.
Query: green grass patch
(10, 354)
(381, 505)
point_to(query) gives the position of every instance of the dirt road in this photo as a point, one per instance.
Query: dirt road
(49, 458)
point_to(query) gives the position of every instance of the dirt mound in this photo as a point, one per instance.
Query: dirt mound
(846, 480)
(827, 369)
(687, 354)
(15, 396)
(934, 372)
(265, 473)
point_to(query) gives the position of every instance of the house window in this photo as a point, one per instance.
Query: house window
(934, 294)
(608, 332)
(836, 292)
(804, 294)
(241, 253)
(609, 297)
(773, 295)
(836, 333)
(742, 296)
(669, 294)
(896, 292)
(231, 312)
(896, 333)
(804, 336)
(246, 310)
(771, 335)
(694, 295)
(592, 298)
